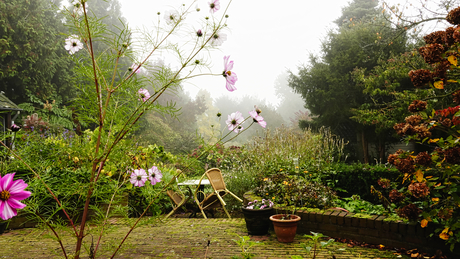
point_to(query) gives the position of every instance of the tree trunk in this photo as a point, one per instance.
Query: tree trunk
(382, 150)
(365, 147)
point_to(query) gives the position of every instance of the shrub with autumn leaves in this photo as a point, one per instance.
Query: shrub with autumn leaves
(428, 189)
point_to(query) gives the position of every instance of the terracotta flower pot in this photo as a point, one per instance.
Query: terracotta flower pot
(258, 221)
(285, 227)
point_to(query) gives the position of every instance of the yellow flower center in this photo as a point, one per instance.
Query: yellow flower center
(5, 195)
(229, 73)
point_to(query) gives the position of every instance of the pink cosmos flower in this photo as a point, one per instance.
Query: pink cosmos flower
(257, 118)
(229, 75)
(214, 5)
(172, 17)
(218, 38)
(138, 177)
(133, 67)
(155, 175)
(143, 94)
(234, 120)
(73, 44)
(11, 192)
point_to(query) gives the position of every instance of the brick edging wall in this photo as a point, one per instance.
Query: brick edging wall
(374, 230)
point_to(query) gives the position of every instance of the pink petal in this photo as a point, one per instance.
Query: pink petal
(6, 212)
(230, 127)
(20, 195)
(230, 87)
(262, 123)
(226, 61)
(17, 186)
(5, 182)
(15, 204)
(229, 66)
(232, 79)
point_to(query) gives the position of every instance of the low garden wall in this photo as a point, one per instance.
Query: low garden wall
(372, 229)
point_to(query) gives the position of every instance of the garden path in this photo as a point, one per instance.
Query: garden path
(173, 238)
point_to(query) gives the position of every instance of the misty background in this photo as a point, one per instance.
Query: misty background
(275, 46)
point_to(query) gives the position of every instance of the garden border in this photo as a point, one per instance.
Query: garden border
(374, 230)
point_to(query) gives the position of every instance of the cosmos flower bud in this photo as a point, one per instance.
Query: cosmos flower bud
(15, 128)
(199, 33)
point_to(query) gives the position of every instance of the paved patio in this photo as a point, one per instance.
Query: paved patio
(173, 238)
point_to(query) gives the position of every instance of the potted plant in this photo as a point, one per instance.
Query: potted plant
(257, 216)
(285, 226)
(291, 191)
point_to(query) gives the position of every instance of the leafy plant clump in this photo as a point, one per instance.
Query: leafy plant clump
(355, 204)
(293, 190)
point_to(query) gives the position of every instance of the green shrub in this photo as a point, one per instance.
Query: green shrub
(355, 204)
(352, 179)
(286, 189)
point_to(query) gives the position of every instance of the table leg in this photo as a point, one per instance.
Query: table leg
(200, 197)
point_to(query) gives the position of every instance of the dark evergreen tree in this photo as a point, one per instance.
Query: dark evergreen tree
(33, 61)
(326, 84)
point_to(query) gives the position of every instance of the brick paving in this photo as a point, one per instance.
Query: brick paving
(173, 238)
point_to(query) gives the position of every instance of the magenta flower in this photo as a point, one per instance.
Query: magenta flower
(73, 44)
(11, 192)
(229, 75)
(138, 177)
(143, 94)
(234, 120)
(214, 5)
(257, 118)
(155, 175)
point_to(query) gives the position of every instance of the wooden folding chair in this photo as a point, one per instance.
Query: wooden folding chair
(214, 199)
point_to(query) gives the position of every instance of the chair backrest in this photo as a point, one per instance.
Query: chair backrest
(215, 178)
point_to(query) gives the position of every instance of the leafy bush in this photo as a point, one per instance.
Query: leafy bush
(70, 187)
(63, 160)
(348, 179)
(286, 189)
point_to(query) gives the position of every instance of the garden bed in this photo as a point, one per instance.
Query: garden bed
(372, 229)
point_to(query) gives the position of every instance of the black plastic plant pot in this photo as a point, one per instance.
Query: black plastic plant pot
(258, 221)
